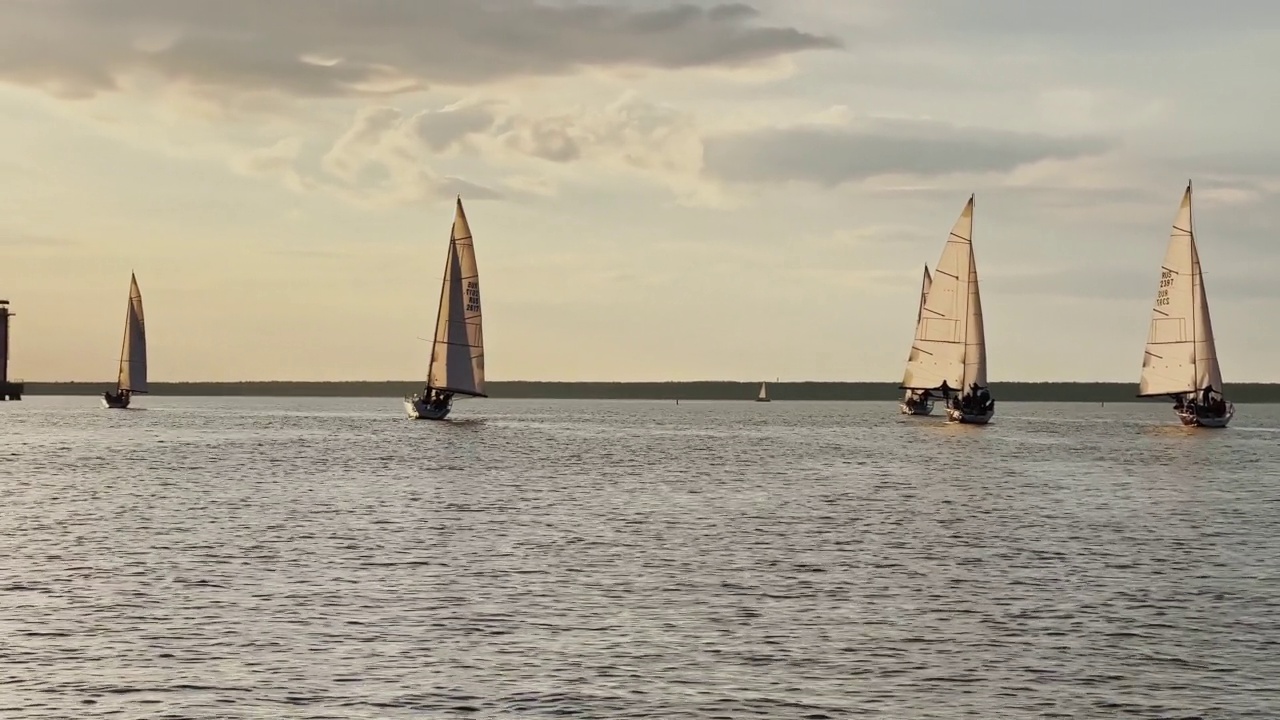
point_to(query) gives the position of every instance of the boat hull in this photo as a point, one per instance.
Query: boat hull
(762, 400)
(418, 409)
(918, 408)
(959, 416)
(115, 402)
(1194, 419)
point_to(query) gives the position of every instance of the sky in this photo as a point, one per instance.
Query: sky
(657, 190)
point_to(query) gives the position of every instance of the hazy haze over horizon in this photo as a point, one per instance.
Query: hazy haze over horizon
(658, 191)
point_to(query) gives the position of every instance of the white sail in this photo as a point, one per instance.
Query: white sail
(457, 352)
(764, 391)
(1180, 356)
(924, 293)
(975, 351)
(949, 347)
(133, 353)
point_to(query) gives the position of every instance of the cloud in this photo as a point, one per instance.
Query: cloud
(629, 132)
(546, 138)
(363, 143)
(382, 159)
(443, 129)
(344, 48)
(830, 154)
(393, 153)
(391, 148)
(1082, 20)
(278, 160)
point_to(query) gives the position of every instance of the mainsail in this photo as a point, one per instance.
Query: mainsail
(1180, 356)
(950, 345)
(133, 353)
(764, 392)
(457, 352)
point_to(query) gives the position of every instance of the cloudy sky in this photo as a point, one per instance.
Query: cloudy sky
(658, 190)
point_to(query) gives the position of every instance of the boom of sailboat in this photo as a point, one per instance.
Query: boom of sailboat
(947, 360)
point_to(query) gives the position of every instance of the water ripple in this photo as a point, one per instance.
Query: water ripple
(306, 558)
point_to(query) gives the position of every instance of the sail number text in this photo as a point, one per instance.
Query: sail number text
(1162, 297)
(473, 296)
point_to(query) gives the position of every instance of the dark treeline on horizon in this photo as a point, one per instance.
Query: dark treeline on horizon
(707, 390)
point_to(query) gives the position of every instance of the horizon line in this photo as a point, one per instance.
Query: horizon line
(607, 382)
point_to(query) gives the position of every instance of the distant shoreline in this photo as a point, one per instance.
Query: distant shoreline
(708, 390)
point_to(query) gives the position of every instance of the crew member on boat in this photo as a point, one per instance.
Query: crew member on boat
(1212, 403)
(975, 402)
(438, 400)
(915, 400)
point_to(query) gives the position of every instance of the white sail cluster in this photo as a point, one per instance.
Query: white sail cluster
(950, 349)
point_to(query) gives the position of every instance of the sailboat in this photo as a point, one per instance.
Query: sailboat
(1181, 358)
(132, 378)
(457, 351)
(919, 402)
(764, 393)
(949, 355)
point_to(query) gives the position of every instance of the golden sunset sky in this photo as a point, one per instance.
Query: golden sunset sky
(658, 191)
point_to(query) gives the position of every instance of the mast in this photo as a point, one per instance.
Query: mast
(124, 340)
(439, 305)
(965, 313)
(973, 323)
(975, 330)
(1197, 283)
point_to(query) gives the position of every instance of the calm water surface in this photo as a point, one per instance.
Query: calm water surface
(325, 558)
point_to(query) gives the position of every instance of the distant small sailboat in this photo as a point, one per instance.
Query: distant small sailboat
(764, 393)
(132, 377)
(949, 355)
(1181, 357)
(457, 352)
(919, 402)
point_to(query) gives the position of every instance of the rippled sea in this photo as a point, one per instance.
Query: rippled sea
(326, 558)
